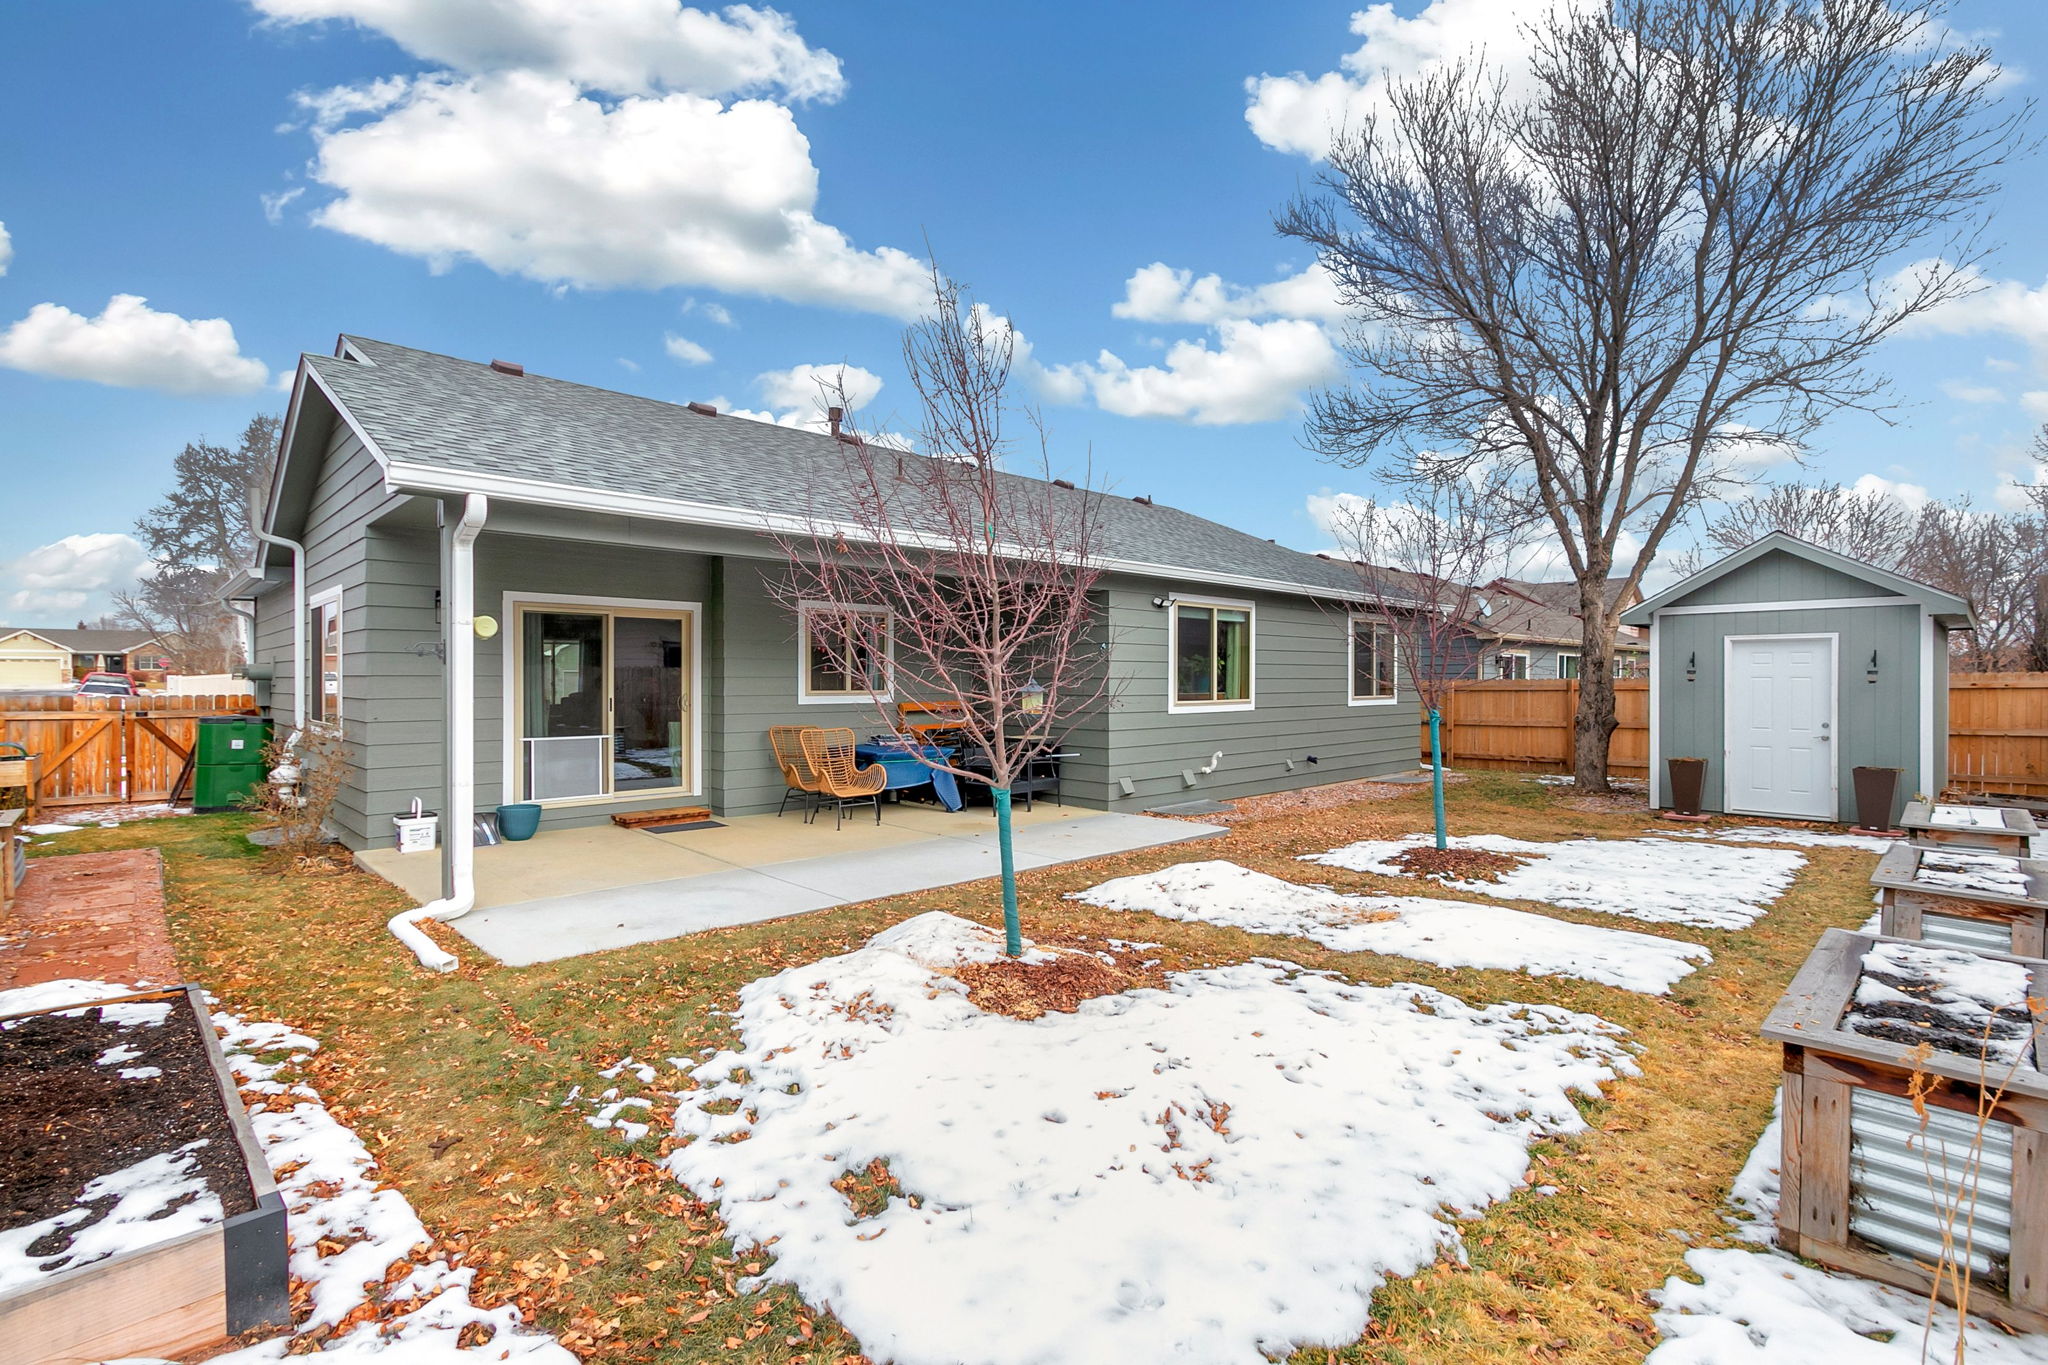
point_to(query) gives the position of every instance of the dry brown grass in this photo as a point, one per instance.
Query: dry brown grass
(606, 1249)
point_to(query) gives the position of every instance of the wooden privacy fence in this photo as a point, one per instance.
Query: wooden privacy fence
(101, 750)
(1998, 729)
(1527, 725)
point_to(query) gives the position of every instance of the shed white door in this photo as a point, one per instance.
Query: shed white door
(1780, 726)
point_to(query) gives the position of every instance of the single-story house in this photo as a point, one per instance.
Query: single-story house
(1533, 630)
(45, 656)
(617, 557)
(1786, 666)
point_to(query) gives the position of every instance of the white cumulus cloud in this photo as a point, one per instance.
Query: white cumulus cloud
(1255, 372)
(525, 174)
(64, 575)
(1911, 496)
(1160, 293)
(1964, 392)
(2009, 308)
(132, 346)
(807, 390)
(684, 350)
(6, 249)
(627, 46)
(1301, 113)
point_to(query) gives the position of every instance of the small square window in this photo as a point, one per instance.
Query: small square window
(1212, 654)
(845, 652)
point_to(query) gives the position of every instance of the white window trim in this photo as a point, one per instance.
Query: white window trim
(1574, 654)
(805, 696)
(1351, 661)
(1521, 654)
(1174, 705)
(510, 632)
(316, 703)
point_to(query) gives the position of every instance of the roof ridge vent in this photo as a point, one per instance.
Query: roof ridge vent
(702, 409)
(1062, 483)
(517, 371)
(1143, 500)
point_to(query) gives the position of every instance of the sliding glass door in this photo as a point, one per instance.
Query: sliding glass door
(603, 701)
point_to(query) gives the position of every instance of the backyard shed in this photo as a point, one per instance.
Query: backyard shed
(1786, 666)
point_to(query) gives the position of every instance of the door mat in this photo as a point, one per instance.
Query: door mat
(684, 824)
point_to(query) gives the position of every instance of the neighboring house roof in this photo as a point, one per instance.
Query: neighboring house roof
(1946, 607)
(1544, 613)
(86, 641)
(440, 425)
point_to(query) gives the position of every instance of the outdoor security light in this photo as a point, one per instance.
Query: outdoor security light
(1692, 666)
(1161, 602)
(1872, 675)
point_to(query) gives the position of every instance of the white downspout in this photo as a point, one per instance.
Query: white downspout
(458, 819)
(298, 625)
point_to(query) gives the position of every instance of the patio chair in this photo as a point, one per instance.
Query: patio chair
(797, 777)
(840, 781)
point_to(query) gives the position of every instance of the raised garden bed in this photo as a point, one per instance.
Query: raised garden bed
(1996, 829)
(1915, 1111)
(1965, 898)
(137, 1214)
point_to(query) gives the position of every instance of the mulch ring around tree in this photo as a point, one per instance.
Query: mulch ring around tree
(90, 1092)
(1023, 989)
(1456, 864)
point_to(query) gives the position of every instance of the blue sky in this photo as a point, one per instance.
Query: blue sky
(691, 205)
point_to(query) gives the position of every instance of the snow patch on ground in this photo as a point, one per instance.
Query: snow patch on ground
(1762, 1307)
(1224, 1169)
(1444, 932)
(1657, 880)
(1767, 834)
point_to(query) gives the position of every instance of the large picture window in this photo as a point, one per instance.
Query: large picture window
(1212, 654)
(1373, 662)
(844, 652)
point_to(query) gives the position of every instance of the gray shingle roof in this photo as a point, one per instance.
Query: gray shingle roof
(1545, 612)
(87, 641)
(462, 417)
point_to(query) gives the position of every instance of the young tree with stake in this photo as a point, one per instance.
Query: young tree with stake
(982, 578)
(1671, 242)
(1421, 564)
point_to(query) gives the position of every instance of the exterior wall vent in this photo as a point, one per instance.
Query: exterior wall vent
(508, 367)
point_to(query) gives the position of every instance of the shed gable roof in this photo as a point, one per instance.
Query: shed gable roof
(1946, 607)
(443, 425)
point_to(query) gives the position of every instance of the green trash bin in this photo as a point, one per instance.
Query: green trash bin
(227, 760)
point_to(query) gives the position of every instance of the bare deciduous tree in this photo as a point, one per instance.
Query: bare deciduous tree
(1422, 564)
(1675, 244)
(986, 577)
(1869, 525)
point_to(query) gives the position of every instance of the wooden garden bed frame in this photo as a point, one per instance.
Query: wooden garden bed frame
(1918, 822)
(1904, 901)
(174, 1297)
(1824, 1065)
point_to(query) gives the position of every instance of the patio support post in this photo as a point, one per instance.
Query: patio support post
(1013, 933)
(458, 814)
(1436, 771)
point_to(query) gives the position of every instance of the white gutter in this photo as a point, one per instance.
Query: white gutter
(458, 814)
(298, 625)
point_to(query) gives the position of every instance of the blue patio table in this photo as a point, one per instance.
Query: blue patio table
(901, 767)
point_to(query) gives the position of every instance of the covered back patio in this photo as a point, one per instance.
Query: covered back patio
(572, 891)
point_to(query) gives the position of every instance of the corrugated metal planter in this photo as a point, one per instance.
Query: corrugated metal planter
(1933, 823)
(1870, 1186)
(1979, 921)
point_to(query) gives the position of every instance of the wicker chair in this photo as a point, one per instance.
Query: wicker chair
(797, 777)
(830, 756)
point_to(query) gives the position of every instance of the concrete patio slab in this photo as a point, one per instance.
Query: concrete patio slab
(559, 863)
(545, 928)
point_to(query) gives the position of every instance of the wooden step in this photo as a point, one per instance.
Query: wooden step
(670, 815)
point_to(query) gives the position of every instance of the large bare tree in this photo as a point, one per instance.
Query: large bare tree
(1669, 245)
(1866, 524)
(984, 577)
(1422, 563)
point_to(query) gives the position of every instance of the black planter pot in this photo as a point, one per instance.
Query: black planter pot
(1877, 789)
(1688, 778)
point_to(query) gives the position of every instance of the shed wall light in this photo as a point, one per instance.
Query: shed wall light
(1692, 667)
(1871, 676)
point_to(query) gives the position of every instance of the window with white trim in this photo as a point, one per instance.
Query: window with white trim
(1375, 656)
(1513, 665)
(327, 649)
(1212, 654)
(1567, 665)
(844, 652)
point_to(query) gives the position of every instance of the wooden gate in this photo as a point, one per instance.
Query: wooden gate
(99, 751)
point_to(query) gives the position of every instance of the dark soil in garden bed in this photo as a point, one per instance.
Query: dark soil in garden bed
(66, 1119)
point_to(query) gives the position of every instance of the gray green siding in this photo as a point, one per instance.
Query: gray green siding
(1780, 577)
